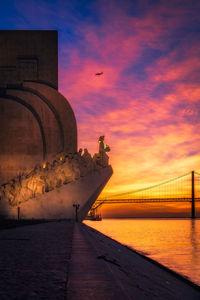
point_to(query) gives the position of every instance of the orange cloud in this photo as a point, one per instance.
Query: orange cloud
(147, 101)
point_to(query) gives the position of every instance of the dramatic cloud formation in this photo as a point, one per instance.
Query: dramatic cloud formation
(147, 101)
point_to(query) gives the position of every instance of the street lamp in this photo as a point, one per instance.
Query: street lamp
(76, 206)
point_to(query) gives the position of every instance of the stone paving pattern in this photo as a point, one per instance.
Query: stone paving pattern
(102, 268)
(60, 260)
(34, 261)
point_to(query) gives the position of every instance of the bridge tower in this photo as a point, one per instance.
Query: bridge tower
(193, 198)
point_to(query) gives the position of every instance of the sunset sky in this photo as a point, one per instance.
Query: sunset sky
(147, 102)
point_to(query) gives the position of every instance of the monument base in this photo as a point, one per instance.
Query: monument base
(58, 204)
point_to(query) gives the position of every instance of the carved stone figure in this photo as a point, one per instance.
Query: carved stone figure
(8, 194)
(102, 151)
(49, 178)
(16, 188)
(1, 192)
(67, 171)
(88, 160)
(25, 192)
(101, 144)
(97, 161)
(75, 167)
(59, 175)
(61, 171)
(81, 162)
(36, 182)
(80, 151)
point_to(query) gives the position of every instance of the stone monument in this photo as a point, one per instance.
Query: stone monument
(36, 121)
(41, 173)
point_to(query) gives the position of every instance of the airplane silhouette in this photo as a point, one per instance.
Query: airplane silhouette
(98, 74)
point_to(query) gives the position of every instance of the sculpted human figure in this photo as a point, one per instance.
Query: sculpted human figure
(2, 193)
(75, 166)
(80, 151)
(82, 164)
(59, 159)
(8, 194)
(103, 148)
(97, 161)
(61, 171)
(103, 161)
(58, 171)
(88, 160)
(67, 171)
(36, 182)
(101, 144)
(16, 188)
(49, 178)
(25, 192)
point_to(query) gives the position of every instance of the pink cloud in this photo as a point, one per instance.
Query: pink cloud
(146, 102)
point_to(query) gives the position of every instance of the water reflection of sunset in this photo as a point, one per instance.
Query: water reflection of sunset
(157, 210)
(171, 242)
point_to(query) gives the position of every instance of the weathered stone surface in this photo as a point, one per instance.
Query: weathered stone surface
(47, 117)
(28, 55)
(21, 145)
(63, 170)
(101, 268)
(38, 126)
(58, 202)
(37, 123)
(34, 261)
(64, 111)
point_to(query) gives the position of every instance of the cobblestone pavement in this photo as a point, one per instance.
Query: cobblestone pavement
(34, 261)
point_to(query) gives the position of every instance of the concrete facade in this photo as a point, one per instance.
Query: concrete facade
(37, 123)
(51, 129)
(28, 55)
(20, 139)
(64, 113)
(58, 204)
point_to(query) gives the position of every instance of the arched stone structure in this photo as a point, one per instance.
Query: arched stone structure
(53, 134)
(37, 123)
(22, 138)
(64, 110)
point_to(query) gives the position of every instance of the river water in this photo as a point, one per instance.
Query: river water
(174, 243)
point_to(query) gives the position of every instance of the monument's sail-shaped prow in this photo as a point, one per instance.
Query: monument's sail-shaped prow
(40, 169)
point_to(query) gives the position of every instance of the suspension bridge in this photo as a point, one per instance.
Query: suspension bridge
(185, 188)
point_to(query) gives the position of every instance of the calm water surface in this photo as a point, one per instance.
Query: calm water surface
(173, 242)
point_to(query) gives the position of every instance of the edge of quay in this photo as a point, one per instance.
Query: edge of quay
(103, 268)
(154, 262)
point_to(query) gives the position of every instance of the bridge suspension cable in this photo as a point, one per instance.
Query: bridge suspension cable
(184, 188)
(130, 192)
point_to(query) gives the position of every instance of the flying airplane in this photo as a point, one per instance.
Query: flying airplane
(98, 74)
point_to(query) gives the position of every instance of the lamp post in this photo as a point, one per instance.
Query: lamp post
(76, 206)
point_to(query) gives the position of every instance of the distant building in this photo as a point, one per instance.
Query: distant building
(37, 123)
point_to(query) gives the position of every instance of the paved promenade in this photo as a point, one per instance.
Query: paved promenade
(34, 261)
(101, 268)
(60, 260)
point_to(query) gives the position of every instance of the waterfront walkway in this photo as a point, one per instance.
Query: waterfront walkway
(34, 261)
(101, 268)
(62, 260)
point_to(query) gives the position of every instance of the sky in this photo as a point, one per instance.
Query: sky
(147, 102)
